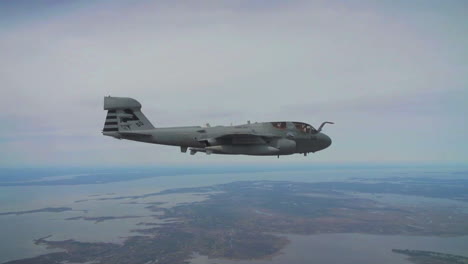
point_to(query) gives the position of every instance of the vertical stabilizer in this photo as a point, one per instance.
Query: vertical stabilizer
(124, 114)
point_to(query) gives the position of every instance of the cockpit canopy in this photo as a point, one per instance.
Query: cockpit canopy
(281, 125)
(303, 127)
(306, 128)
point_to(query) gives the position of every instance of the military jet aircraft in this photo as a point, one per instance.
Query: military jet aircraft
(126, 121)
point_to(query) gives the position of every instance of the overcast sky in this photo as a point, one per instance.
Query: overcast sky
(392, 75)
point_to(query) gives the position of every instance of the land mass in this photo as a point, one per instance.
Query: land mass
(249, 220)
(100, 219)
(42, 210)
(430, 257)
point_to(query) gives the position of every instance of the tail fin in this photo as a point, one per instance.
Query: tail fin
(124, 114)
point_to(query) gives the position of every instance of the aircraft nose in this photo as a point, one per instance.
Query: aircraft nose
(324, 141)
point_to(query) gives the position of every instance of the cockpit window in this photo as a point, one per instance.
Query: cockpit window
(281, 125)
(303, 127)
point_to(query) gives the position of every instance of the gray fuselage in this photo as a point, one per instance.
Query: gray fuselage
(204, 138)
(125, 120)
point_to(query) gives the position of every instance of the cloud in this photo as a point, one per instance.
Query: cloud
(223, 62)
(425, 103)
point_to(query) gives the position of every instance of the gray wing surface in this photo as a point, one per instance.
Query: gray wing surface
(238, 139)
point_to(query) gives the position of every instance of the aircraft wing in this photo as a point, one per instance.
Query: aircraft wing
(238, 139)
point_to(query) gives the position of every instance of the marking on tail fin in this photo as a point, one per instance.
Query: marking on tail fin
(124, 114)
(107, 129)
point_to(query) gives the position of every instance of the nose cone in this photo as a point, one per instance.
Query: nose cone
(324, 141)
